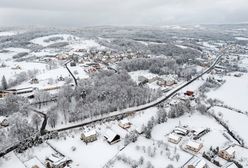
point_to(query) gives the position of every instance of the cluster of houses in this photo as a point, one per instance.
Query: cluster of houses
(111, 136)
(221, 157)
(162, 81)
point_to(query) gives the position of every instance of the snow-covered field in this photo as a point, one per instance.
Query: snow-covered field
(236, 121)
(160, 159)
(194, 121)
(233, 92)
(242, 38)
(8, 33)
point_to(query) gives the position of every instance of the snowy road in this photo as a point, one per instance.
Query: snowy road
(141, 107)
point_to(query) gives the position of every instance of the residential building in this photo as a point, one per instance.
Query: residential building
(174, 138)
(194, 146)
(124, 124)
(57, 161)
(89, 136)
(227, 153)
(112, 137)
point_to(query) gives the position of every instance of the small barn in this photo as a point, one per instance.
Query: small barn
(181, 131)
(112, 137)
(124, 124)
(174, 138)
(57, 161)
(194, 146)
(89, 136)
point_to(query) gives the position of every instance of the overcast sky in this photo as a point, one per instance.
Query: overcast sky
(76, 13)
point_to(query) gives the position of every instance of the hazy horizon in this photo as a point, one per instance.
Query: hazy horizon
(76, 13)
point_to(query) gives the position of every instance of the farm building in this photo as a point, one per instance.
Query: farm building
(89, 136)
(174, 138)
(3, 121)
(194, 146)
(57, 161)
(124, 124)
(112, 137)
(227, 153)
(181, 131)
(196, 162)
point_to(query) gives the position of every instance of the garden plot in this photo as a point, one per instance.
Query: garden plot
(241, 155)
(236, 121)
(233, 92)
(11, 161)
(94, 154)
(11, 68)
(159, 155)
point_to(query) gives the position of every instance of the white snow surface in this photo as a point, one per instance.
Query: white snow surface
(233, 92)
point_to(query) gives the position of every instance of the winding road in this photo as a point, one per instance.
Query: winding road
(116, 113)
(142, 107)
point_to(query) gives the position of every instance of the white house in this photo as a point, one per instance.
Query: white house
(124, 124)
(111, 136)
(194, 146)
(181, 131)
(89, 136)
(174, 138)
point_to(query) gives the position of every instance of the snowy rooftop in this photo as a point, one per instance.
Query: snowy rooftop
(110, 135)
(197, 162)
(194, 144)
(57, 159)
(174, 136)
(230, 150)
(89, 133)
(124, 121)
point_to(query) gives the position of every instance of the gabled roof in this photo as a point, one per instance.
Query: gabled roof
(197, 162)
(174, 136)
(110, 135)
(194, 144)
(89, 133)
(230, 150)
(124, 121)
(34, 162)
